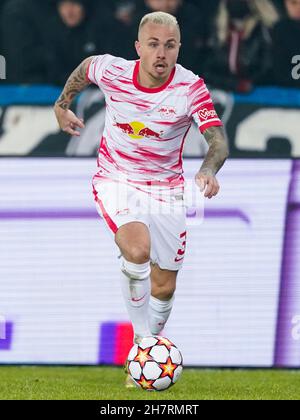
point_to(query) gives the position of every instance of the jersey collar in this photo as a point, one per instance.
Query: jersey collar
(150, 90)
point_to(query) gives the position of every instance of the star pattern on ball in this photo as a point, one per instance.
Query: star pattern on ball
(145, 384)
(143, 356)
(168, 368)
(162, 341)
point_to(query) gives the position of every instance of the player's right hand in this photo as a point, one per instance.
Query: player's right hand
(207, 182)
(68, 121)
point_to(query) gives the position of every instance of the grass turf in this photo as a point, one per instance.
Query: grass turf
(106, 383)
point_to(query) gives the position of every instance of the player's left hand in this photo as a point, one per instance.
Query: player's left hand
(207, 182)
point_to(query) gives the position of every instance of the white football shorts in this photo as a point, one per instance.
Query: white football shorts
(162, 211)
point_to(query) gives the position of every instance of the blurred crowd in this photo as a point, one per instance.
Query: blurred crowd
(234, 44)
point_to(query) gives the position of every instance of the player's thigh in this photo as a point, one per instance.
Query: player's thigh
(163, 282)
(168, 240)
(133, 240)
(116, 203)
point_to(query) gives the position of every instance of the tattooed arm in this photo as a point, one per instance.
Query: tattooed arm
(213, 162)
(76, 83)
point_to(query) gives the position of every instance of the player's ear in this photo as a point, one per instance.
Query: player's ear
(138, 47)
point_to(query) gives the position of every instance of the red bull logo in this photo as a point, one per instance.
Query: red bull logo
(138, 130)
(167, 111)
(126, 128)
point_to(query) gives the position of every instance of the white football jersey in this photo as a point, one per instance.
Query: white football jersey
(145, 129)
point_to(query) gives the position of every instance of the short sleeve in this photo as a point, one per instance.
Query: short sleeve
(96, 68)
(201, 106)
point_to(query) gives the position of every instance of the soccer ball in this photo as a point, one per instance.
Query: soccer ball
(155, 363)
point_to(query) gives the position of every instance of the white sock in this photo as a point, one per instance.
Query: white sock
(159, 312)
(136, 289)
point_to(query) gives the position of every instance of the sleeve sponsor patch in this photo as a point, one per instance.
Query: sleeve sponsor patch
(207, 117)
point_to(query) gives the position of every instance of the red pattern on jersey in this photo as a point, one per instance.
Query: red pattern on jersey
(129, 157)
(104, 151)
(145, 129)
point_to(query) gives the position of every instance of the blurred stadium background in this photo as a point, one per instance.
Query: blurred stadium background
(238, 299)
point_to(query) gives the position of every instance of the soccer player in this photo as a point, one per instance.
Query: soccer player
(150, 106)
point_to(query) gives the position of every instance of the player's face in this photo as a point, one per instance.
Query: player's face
(293, 8)
(158, 48)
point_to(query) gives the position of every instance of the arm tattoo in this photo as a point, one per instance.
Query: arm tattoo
(218, 150)
(75, 84)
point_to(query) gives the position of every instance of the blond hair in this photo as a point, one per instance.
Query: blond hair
(263, 11)
(160, 18)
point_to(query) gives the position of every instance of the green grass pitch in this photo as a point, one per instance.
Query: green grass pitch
(106, 383)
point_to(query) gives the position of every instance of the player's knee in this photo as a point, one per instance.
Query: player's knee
(163, 292)
(138, 254)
